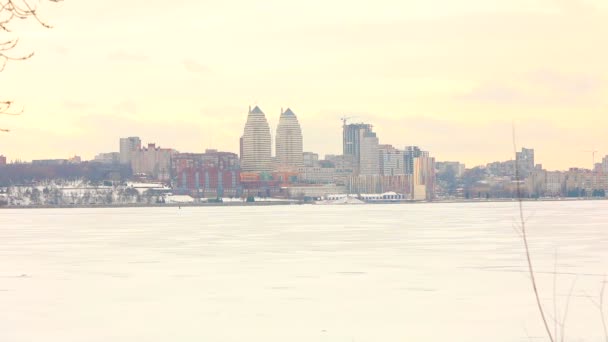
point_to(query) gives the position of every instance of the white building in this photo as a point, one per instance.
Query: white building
(289, 151)
(256, 143)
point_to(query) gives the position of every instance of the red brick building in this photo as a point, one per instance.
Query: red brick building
(207, 174)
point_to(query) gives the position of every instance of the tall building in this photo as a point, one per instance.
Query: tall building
(289, 141)
(127, 147)
(360, 145)
(256, 143)
(369, 160)
(525, 161)
(2, 160)
(423, 178)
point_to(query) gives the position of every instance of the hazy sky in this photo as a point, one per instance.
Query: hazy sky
(447, 75)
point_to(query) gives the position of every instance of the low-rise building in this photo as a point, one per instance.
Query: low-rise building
(209, 174)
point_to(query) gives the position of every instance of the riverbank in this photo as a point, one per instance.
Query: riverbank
(152, 205)
(283, 202)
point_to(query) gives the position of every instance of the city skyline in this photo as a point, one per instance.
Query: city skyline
(135, 142)
(444, 76)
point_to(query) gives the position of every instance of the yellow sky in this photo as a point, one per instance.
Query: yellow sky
(447, 75)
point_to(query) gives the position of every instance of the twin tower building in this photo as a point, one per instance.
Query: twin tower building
(256, 143)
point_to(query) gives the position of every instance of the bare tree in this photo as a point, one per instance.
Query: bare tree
(11, 10)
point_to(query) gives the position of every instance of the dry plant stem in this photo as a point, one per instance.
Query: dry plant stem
(565, 316)
(554, 295)
(526, 246)
(602, 309)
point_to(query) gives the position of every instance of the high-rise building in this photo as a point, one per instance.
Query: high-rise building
(360, 144)
(127, 147)
(423, 178)
(369, 160)
(2, 160)
(256, 145)
(289, 141)
(392, 162)
(525, 161)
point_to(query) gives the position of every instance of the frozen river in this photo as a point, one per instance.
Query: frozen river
(373, 273)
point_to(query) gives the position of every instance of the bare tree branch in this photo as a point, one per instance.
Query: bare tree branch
(9, 11)
(524, 237)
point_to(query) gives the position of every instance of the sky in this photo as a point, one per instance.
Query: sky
(450, 76)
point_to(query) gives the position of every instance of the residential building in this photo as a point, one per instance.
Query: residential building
(555, 183)
(256, 143)
(289, 144)
(310, 159)
(378, 184)
(455, 167)
(323, 175)
(127, 147)
(340, 161)
(153, 162)
(49, 162)
(107, 158)
(392, 161)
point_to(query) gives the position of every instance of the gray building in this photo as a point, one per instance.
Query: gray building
(525, 162)
(360, 144)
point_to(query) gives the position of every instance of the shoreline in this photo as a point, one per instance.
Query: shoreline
(280, 202)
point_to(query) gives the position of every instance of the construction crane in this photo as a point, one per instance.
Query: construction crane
(345, 118)
(593, 152)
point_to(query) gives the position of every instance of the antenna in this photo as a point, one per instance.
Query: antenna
(593, 152)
